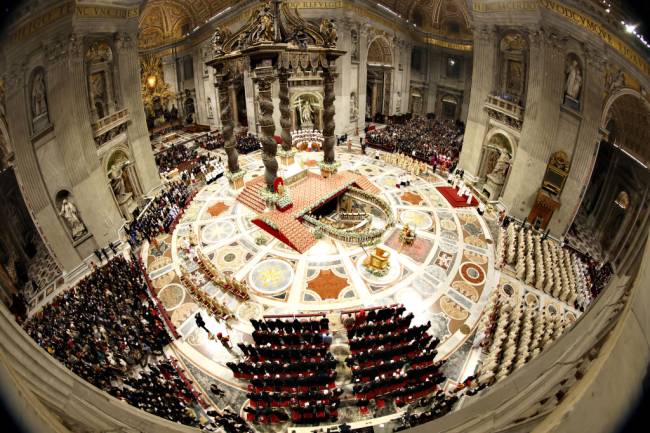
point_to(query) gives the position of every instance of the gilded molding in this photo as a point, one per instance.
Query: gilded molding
(575, 17)
(69, 10)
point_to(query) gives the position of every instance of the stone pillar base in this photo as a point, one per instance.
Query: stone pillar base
(235, 180)
(287, 160)
(236, 183)
(327, 172)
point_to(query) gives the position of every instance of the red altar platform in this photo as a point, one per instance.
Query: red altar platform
(307, 193)
(451, 194)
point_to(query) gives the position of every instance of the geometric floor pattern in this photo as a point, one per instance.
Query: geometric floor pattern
(444, 278)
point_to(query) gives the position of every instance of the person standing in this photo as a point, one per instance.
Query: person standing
(200, 322)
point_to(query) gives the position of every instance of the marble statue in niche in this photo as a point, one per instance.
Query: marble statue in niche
(500, 171)
(398, 103)
(573, 79)
(121, 185)
(354, 106)
(354, 53)
(497, 178)
(98, 93)
(514, 83)
(210, 110)
(120, 182)
(306, 113)
(70, 215)
(38, 96)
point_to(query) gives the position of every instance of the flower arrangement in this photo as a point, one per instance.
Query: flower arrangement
(329, 166)
(270, 197)
(234, 176)
(287, 153)
(318, 233)
(379, 273)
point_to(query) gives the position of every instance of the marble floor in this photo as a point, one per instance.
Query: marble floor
(445, 277)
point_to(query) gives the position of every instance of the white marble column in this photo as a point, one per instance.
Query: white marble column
(70, 114)
(363, 74)
(28, 171)
(585, 152)
(484, 67)
(538, 136)
(138, 134)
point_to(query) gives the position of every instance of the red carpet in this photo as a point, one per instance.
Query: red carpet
(454, 199)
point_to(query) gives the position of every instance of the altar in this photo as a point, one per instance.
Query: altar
(307, 140)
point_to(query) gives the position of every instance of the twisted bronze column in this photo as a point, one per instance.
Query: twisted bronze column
(328, 116)
(223, 84)
(264, 78)
(285, 111)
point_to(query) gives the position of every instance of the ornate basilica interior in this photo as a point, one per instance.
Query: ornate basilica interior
(298, 216)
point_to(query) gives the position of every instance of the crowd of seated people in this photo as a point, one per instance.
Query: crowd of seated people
(428, 140)
(438, 405)
(291, 372)
(159, 390)
(542, 262)
(177, 156)
(389, 358)
(211, 141)
(103, 325)
(511, 333)
(228, 421)
(597, 274)
(247, 143)
(160, 215)
(104, 329)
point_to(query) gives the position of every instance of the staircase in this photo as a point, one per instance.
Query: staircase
(291, 231)
(366, 185)
(299, 235)
(251, 196)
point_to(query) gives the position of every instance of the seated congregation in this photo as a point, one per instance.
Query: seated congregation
(435, 142)
(108, 331)
(160, 214)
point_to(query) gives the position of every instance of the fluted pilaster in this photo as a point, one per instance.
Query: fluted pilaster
(485, 57)
(27, 169)
(69, 109)
(545, 91)
(137, 132)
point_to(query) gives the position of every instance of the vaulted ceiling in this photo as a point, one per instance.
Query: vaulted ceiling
(449, 17)
(166, 21)
(631, 116)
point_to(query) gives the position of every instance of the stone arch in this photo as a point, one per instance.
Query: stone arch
(315, 97)
(6, 147)
(497, 142)
(380, 52)
(122, 178)
(449, 106)
(416, 101)
(118, 154)
(629, 111)
(100, 78)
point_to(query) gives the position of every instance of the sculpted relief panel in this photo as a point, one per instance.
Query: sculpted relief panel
(38, 102)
